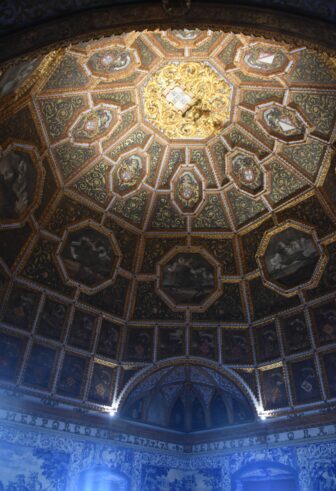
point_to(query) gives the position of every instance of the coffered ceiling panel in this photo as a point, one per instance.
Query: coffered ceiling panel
(166, 195)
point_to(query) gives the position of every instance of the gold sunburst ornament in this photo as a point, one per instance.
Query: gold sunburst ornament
(187, 100)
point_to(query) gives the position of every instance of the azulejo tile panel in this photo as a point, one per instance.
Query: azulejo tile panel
(56, 459)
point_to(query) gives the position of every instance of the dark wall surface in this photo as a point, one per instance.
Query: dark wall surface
(18, 14)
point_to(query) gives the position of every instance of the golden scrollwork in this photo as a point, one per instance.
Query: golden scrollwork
(187, 100)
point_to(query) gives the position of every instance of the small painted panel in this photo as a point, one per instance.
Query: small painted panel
(11, 351)
(236, 346)
(204, 343)
(305, 381)
(246, 173)
(290, 258)
(16, 75)
(295, 333)
(108, 341)
(52, 320)
(88, 257)
(72, 375)
(171, 342)
(265, 59)
(94, 125)
(129, 173)
(21, 308)
(101, 384)
(267, 345)
(273, 388)
(82, 330)
(329, 364)
(111, 63)
(188, 278)
(324, 323)
(18, 183)
(40, 367)
(187, 191)
(283, 123)
(187, 34)
(139, 345)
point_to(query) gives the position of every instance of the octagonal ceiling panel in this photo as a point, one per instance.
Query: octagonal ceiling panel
(22, 180)
(88, 257)
(290, 258)
(188, 278)
(264, 59)
(168, 194)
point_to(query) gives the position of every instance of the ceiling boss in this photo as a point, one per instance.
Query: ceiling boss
(187, 100)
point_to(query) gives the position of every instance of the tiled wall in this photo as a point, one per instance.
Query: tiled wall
(40, 460)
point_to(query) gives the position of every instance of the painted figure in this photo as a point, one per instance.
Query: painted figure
(52, 320)
(17, 184)
(88, 257)
(12, 78)
(296, 334)
(101, 383)
(139, 345)
(188, 278)
(170, 342)
(203, 343)
(274, 388)
(291, 257)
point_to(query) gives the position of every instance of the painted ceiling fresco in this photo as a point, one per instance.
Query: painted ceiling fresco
(163, 195)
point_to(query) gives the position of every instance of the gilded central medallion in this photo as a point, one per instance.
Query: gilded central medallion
(187, 100)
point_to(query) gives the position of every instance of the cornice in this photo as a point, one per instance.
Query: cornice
(97, 23)
(297, 430)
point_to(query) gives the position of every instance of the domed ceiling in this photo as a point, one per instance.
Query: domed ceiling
(165, 195)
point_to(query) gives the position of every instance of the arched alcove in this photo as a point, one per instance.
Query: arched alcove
(100, 478)
(265, 476)
(186, 398)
